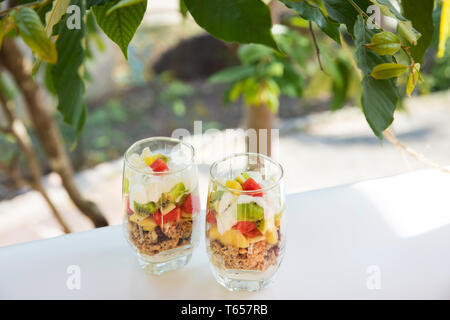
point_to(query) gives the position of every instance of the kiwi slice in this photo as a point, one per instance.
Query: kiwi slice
(176, 193)
(249, 212)
(144, 210)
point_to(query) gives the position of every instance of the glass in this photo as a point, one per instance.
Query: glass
(161, 202)
(245, 221)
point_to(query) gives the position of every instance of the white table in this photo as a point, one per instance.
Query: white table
(399, 225)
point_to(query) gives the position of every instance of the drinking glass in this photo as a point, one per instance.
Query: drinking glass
(161, 202)
(245, 221)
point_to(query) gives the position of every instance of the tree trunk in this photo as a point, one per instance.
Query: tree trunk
(260, 119)
(46, 129)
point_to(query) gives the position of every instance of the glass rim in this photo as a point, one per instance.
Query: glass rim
(234, 155)
(163, 139)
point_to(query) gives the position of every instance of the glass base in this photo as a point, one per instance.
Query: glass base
(161, 267)
(237, 284)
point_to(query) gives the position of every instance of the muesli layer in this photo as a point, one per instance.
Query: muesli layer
(160, 239)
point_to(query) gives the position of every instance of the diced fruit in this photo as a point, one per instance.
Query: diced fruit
(126, 186)
(163, 157)
(230, 237)
(175, 194)
(159, 166)
(265, 224)
(147, 156)
(247, 228)
(134, 218)
(277, 219)
(271, 236)
(215, 205)
(149, 159)
(245, 175)
(173, 215)
(144, 210)
(249, 212)
(232, 184)
(167, 207)
(211, 217)
(187, 204)
(252, 185)
(213, 233)
(240, 178)
(127, 201)
(235, 238)
(262, 225)
(216, 195)
(148, 224)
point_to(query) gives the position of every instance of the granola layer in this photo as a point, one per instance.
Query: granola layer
(258, 256)
(160, 239)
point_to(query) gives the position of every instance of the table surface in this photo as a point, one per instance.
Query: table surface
(382, 239)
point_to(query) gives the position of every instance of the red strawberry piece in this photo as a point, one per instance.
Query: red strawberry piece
(173, 215)
(211, 217)
(250, 185)
(129, 211)
(247, 228)
(159, 165)
(187, 204)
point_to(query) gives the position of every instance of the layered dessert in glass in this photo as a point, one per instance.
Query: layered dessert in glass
(161, 202)
(245, 218)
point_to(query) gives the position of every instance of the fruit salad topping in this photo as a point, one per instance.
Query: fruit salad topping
(156, 200)
(236, 214)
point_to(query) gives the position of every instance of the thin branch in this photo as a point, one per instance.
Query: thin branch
(316, 46)
(390, 136)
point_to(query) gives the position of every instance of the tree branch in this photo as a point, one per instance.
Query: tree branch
(390, 136)
(20, 133)
(316, 46)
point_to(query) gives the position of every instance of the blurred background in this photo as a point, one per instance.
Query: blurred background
(175, 76)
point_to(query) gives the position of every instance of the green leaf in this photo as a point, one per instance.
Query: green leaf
(66, 77)
(384, 43)
(33, 34)
(340, 85)
(315, 14)
(122, 23)
(6, 25)
(91, 3)
(254, 53)
(123, 4)
(405, 27)
(380, 97)
(420, 12)
(388, 70)
(342, 11)
(183, 8)
(54, 15)
(291, 83)
(232, 74)
(244, 21)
